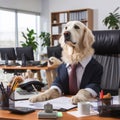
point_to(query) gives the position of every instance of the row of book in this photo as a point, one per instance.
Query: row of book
(80, 16)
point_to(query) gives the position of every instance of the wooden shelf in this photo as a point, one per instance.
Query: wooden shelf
(59, 19)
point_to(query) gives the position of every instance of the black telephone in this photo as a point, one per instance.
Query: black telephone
(28, 86)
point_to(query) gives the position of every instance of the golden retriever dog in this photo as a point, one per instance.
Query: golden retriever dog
(53, 61)
(76, 41)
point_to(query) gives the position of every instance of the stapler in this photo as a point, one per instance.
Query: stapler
(48, 112)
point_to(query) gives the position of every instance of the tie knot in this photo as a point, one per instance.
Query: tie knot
(75, 65)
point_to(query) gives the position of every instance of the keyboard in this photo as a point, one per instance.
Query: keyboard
(23, 94)
(32, 63)
(9, 64)
(2, 63)
(13, 64)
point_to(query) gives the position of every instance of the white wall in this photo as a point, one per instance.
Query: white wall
(45, 7)
(29, 5)
(45, 16)
(101, 8)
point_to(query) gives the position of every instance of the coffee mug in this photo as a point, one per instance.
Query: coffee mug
(83, 108)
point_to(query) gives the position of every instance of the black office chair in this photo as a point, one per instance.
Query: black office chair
(107, 53)
(55, 51)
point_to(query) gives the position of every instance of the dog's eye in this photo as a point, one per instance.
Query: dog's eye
(65, 27)
(76, 27)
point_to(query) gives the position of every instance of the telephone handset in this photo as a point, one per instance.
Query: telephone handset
(28, 86)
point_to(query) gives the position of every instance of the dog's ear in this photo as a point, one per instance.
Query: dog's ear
(88, 38)
(61, 40)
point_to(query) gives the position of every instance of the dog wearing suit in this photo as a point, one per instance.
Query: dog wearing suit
(76, 41)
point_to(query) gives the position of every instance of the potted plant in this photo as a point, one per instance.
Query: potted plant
(45, 36)
(112, 21)
(29, 39)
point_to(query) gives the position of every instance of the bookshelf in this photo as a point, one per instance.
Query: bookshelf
(59, 19)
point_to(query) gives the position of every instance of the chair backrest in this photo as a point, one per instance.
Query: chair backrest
(107, 53)
(55, 51)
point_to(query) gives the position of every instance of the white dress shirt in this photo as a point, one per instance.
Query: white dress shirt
(80, 70)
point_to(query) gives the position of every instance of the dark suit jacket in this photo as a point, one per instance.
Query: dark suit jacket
(91, 77)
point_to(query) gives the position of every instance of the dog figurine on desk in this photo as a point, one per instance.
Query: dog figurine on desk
(53, 61)
(76, 41)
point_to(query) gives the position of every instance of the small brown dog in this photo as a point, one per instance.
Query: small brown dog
(53, 61)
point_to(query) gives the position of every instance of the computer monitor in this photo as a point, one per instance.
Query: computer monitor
(55, 51)
(26, 52)
(7, 53)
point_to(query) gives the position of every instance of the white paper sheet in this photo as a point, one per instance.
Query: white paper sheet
(61, 103)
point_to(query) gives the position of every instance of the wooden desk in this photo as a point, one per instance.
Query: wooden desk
(33, 116)
(50, 71)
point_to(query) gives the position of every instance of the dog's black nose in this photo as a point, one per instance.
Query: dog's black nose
(67, 35)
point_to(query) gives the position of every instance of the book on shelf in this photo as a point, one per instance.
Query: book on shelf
(63, 17)
(56, 42)
(84, 15)
(55, 30)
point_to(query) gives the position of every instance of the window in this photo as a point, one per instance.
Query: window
(13, 22)
(7, 28)
(27, 21)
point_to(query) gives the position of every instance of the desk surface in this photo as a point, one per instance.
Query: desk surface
(27, 67)
(33, 116)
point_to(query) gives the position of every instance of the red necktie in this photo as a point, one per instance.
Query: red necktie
(73, 89)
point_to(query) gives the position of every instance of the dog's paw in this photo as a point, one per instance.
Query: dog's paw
(39, 98)
(48, 94)
(33, 98)
(81, 96)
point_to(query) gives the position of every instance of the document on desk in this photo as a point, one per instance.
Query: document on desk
(61, 103)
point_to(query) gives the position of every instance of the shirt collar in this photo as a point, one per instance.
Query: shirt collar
(83, 63)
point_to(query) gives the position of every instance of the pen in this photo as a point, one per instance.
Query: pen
(35, 89)
(14, 86)
(101, 94)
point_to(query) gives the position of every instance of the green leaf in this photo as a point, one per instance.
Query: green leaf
(112, 21)
(45, 37)
(30, 39)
